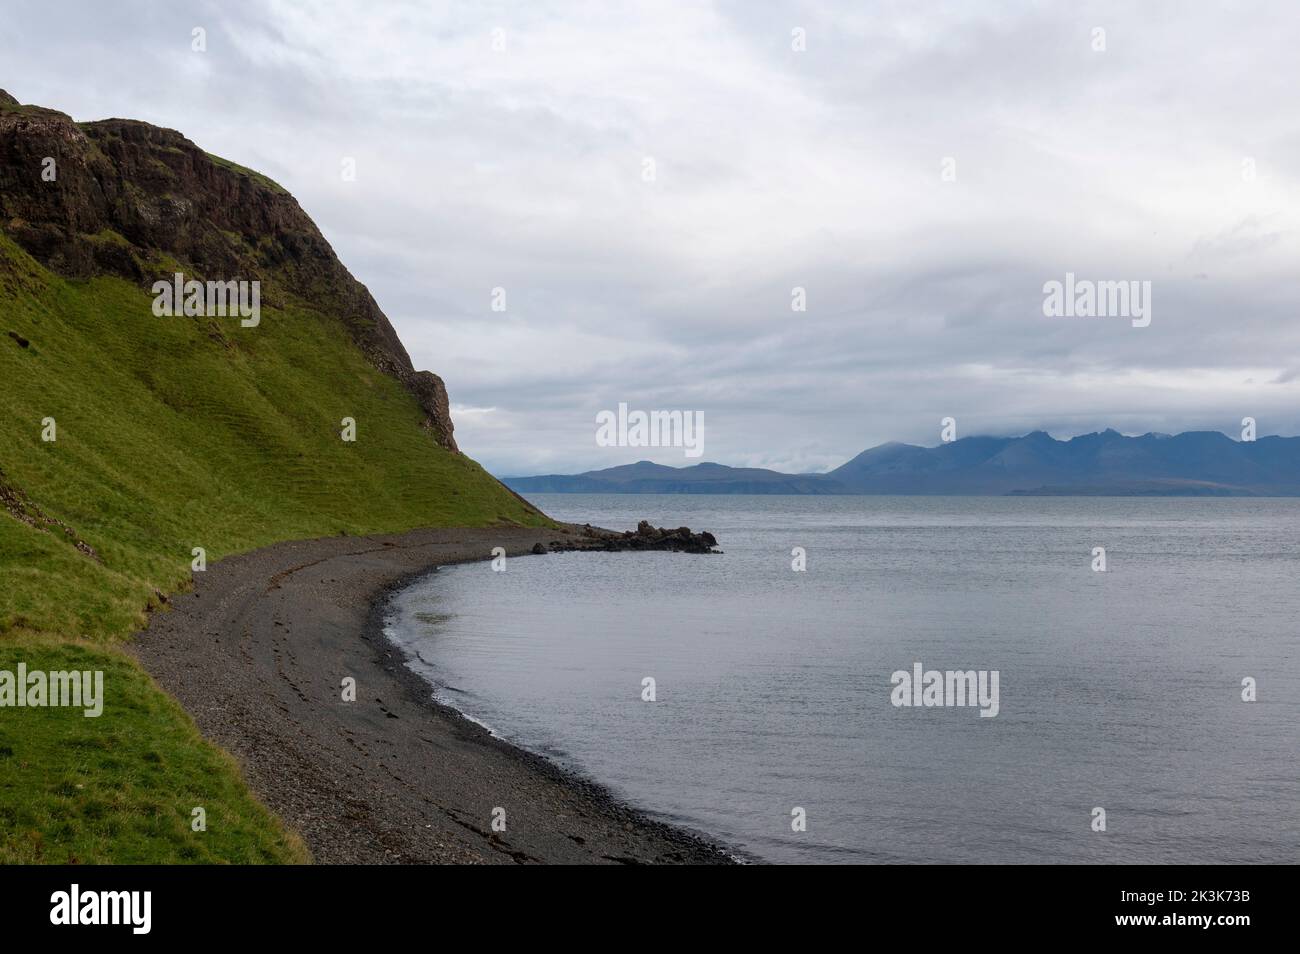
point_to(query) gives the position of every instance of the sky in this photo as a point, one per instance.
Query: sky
(649, 182)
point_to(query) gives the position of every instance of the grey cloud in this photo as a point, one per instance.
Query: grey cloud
(820, 169)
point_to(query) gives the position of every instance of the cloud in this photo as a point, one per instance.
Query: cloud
(1170, 157)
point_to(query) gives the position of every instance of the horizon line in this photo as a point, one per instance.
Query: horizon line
(813, 473)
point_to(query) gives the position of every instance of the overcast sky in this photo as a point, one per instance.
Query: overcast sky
(523, 168)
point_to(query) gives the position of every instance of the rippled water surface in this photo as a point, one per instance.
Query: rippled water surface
(1119, 690)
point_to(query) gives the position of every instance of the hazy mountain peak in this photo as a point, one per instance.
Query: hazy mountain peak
(1103, 462)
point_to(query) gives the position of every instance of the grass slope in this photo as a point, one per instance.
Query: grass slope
(121, 788)
(172, 433)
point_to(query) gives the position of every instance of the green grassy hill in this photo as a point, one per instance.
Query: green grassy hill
(173, 433)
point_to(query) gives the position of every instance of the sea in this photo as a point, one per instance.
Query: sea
(1146, 652)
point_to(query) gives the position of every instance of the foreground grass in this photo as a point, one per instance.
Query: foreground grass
(122, 787)
(172, 434)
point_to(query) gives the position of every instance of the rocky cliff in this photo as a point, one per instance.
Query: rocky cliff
(122, 197)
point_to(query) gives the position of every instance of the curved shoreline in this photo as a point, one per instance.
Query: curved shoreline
(416, 684)
(256, 653)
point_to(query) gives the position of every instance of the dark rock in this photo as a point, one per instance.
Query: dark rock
(21, 507)
(127, 194)
(432, 395)
(681, 539)
(539, 548)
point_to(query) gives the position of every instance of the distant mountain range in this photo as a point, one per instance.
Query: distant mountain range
(1196, 463)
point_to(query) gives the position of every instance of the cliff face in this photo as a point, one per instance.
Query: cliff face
(120, 179)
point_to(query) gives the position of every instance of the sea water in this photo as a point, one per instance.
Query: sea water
(768, 721)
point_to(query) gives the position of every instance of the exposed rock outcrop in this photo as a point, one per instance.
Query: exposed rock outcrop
(644, 537)
(120, 194)
(19, 506)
